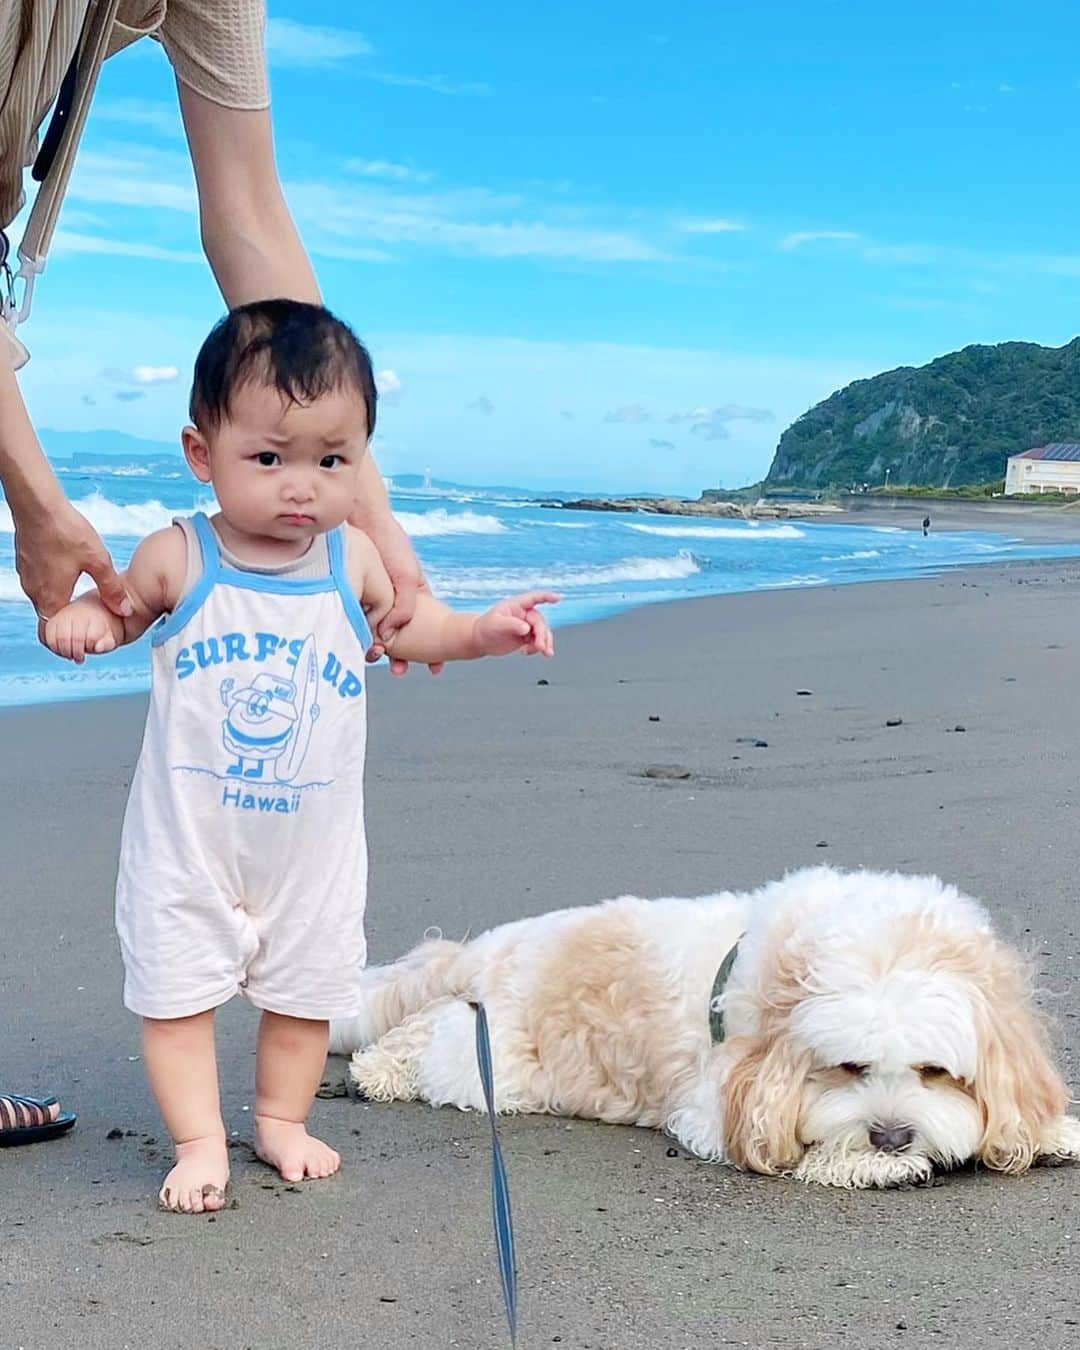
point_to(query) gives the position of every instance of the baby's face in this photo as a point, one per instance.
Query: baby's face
(288, 471)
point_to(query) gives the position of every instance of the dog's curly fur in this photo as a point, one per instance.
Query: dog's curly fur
(876, 1028)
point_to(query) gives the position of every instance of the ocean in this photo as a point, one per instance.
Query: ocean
(479, 545)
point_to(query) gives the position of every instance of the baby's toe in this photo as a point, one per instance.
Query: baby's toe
(213, 1197)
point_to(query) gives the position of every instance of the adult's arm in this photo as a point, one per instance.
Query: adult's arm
(248, 235)
(255, 253)
(54, 544)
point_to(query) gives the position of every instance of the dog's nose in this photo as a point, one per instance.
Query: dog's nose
(891, 1138)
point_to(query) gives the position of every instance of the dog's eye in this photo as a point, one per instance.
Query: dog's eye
(855, 1070)
(929, 1071)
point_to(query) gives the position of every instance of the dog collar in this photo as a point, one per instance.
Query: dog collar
(716, 1012)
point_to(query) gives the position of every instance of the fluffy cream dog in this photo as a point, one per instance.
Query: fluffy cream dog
(874, 1028)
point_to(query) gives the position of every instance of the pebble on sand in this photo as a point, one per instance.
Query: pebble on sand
(665, 771)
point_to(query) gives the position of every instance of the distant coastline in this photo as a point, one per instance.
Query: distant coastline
(718, 509)
(1026, 516)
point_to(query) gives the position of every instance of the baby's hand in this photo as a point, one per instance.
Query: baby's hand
(517, 625)
(80, 629)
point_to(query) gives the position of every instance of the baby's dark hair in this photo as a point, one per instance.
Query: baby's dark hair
(300, 350)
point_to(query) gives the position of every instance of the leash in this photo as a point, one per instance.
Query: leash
(500, 1191)
(717, 1031)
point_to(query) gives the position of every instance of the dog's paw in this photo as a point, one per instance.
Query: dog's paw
(381, 1078)
(862, 1170)
(1060, 1143)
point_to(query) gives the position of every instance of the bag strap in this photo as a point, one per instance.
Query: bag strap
(56, 158)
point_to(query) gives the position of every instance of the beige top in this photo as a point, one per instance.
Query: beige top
(217, 48)
(313, 562)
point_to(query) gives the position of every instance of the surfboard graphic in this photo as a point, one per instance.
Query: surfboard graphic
(307, 710)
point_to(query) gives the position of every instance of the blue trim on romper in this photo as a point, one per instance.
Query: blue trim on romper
(170, 624)
(271, 585)
(353, 610)
(214, 573)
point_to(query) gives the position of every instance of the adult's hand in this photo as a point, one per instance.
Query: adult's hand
(372, 514)
(408, 582)
(52, 550)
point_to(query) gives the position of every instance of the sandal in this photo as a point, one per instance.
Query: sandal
(25, 1120)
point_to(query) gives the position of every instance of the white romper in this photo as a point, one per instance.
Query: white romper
(243, 860)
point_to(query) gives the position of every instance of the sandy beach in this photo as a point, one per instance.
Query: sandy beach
(493, 795)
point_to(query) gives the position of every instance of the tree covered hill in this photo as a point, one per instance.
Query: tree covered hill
(951, 422)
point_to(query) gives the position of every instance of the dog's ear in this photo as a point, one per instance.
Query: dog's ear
(1016, 1086)
(762, 1096)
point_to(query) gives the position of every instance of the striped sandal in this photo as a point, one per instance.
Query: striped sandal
(25, 1120)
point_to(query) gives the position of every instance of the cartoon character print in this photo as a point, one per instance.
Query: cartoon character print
(270, 720)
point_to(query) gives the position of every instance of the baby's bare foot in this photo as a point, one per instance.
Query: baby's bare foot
(286, 1145)
(198, 1180)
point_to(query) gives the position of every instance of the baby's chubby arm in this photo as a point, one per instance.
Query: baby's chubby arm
(153, 582)
(437, 633)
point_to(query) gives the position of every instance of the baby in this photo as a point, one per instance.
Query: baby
(243, 858)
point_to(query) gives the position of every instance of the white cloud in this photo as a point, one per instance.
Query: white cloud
(141, 375)
(901, 253)
(69, 241)
(466, 221)
(706, 419)
(712, 226)
(1057, 265)
(801, 237)
(142, 112)
(435, 84)
(308, 46)
(389, 384)
(132, 175)
(362, 221)
(629, 412)
(155, 374)
(712, 424)
(384, 168)
(328, 248)
(303, 46)
(75, 219)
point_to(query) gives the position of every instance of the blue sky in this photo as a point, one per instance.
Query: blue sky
(598, 246)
